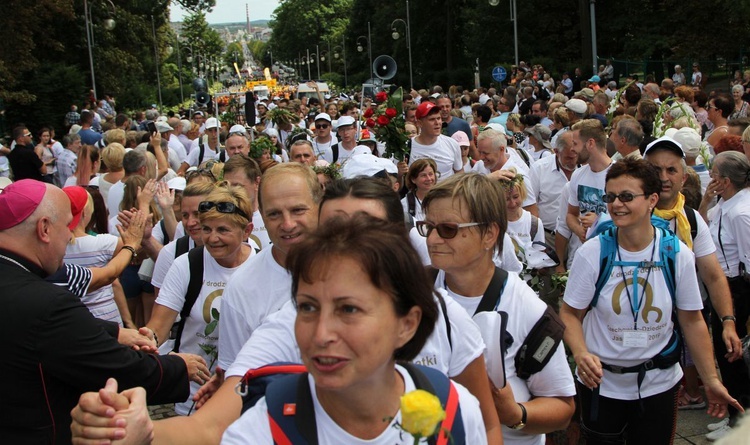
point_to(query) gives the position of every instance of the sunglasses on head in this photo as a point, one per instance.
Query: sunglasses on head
(200, 172)
(445, 230)
(609, 198)
(221, 207)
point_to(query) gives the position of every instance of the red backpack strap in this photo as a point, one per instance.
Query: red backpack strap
(451, 409)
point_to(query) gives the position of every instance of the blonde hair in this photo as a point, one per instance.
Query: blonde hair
(112, 156)
(236, 195)
(115, 135)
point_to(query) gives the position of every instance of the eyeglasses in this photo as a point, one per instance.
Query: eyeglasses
(609, 198)
(445, 230)
(221, 207)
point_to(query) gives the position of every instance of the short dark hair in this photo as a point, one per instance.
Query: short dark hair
(367, 188)
(639, 169)
(120, 119)
(18, 131)
(724, 103)
(485, 113)
(542, 104)
(385, 254)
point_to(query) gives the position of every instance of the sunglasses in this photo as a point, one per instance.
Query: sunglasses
(609, 198)
(444, 230)
(322, 126)
(221, 207)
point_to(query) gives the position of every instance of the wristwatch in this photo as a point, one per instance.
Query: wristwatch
(520, 425)
(728, 317)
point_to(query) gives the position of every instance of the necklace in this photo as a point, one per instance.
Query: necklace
(14, 262)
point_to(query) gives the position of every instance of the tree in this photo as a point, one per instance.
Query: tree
(204, 42)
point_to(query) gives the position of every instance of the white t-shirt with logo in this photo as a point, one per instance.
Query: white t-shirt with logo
(274, 341)
(606, 325)
(198, 337)
(259, 235)
(523, 308)
(254, 423)
(587, 189)
(445, 152)
(260, 287)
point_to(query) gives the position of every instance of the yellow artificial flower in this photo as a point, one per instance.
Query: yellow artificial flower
(421, 413)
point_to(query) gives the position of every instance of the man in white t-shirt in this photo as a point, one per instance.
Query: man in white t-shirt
(496, 162)
(347, 134)
(587, 183)
(133, 163)
(323, 138)
(244, 172)
(204, 148)
(289, 200)
(174, 142)
(668, 157)
(549, 175)
(431, 143)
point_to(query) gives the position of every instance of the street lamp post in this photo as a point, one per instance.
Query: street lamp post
(592, 5)
(156, 59)
(308, 65)
(396, 35)
(336, 55)
(360, 48)
(317, 60)
(109, 24)
(513, 18)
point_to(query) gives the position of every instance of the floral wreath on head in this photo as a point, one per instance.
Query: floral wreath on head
(333, 171)
(281, 116)
(510, 184)
(258, 146)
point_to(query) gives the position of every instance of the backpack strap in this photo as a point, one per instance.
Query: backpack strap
(540, 344)
(433, 273)
(690, 214)
(291, 412)
(223, 156)
(335, 151)
(195, 258)
(163, 227)
(607, 252)
(437, 383)
(411, 200)
(201, 152)
(182, 246)
(491, 298)
(534, 227)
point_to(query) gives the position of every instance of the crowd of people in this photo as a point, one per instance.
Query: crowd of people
(550, 255)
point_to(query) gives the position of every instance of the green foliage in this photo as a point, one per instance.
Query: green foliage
(234, 54)
(197, 5)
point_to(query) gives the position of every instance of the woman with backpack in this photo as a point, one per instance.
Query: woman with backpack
(355, 331)
(195, 282)
(628, 289)
(465, 224)
(421, 177)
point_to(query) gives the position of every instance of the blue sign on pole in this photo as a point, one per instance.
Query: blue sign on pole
(499, 73)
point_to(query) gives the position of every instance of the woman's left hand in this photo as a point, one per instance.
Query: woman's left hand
(718, 398)
(164, 196)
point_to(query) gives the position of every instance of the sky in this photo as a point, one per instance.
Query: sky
(230, 11)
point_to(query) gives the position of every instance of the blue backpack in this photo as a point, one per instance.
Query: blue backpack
(291, 412)
(668, 248)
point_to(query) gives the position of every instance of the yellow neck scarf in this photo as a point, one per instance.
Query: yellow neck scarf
(683, 225)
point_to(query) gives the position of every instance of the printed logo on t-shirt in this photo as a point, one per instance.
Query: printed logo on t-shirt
(645, 307)
(590, 200)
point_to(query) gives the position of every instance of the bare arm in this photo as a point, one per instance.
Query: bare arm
(721, 299)
(122, 305)
(165, 201)
(162, 165)
(573, 219)
(533, 209)
(162, 319)
(698, 341)
(474, 378)
(589, 366)
(561, 247)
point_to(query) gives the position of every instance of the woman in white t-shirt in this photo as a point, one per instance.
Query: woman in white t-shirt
(226, 225)
(521, 223)
(421, 177)
(465, 223)
(95, 251)
(622, 398)
(351, 329)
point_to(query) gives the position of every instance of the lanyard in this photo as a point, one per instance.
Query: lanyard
(635, 306)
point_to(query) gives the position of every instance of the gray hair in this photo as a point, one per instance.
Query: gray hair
(632, 131)
(735, 166)
(152, 115)
(186, 125)
(133, 161)
(563, 141)
(739, 88)
(71, 138)
(498, 139)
